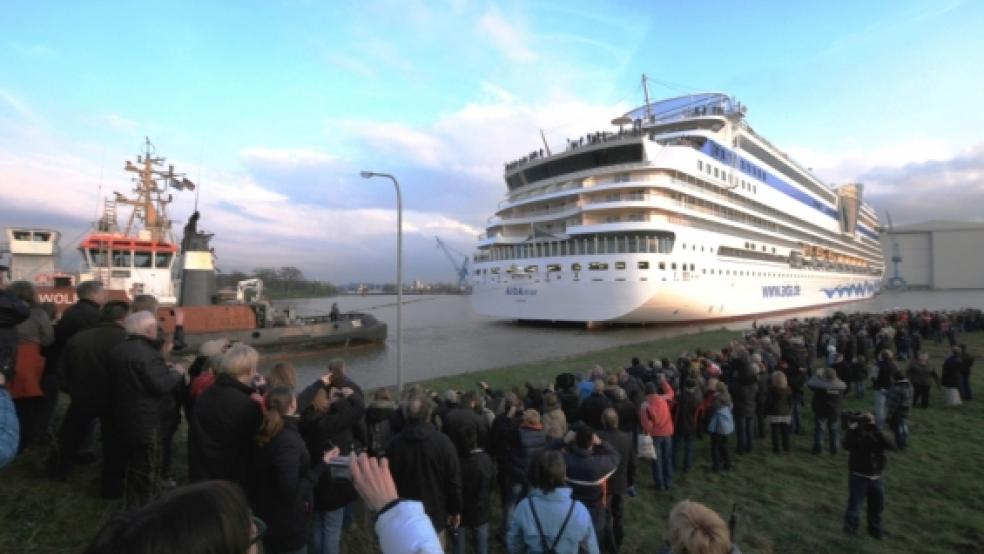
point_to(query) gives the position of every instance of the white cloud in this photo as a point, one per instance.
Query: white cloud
(285, 157)
(16, 104)
(506, 36)
(117, 121)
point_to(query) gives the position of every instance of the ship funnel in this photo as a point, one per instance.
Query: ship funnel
(197, 267)
(849, 205)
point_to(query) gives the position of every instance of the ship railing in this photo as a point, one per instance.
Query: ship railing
(596, 244)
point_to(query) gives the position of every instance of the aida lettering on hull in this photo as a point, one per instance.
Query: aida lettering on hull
(780, 291)
(519, 291)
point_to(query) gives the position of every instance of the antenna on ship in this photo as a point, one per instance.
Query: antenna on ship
(545, 145)
(645, 92)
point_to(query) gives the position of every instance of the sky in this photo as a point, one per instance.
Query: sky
(275, 107)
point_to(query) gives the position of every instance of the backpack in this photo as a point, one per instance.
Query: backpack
(552, 549)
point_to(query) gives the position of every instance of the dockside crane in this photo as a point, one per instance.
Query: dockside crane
(896, 281)
(461, 268)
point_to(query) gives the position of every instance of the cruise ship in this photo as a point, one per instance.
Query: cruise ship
(680, 213)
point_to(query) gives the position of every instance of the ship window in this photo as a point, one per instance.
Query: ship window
(662, 265)
(715, 172)
(619, 265)
(121, 258)
(700, 165)
(643, 265)
(142, 259)
(532, 269)
(495, 271)
(553, 267)
(97, 258)
(691, 267)
(575, 267)
(22, 235)
(41, 237)
(597, 266)
(673, 266)
(162, 260)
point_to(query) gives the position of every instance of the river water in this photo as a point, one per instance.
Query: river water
(444, 336)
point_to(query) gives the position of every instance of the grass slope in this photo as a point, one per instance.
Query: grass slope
(789, 504)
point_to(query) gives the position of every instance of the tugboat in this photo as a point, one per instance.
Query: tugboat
(138, 260)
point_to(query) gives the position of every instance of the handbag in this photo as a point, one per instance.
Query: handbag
(644, 447)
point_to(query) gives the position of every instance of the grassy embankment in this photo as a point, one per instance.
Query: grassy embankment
(794, 503)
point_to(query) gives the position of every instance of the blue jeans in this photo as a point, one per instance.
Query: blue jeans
(686, 444)
(797, 420)
(818, 432)
(861, 489)
(512, 495)
(859, 389)
(480, 539)
(663, 464)
(880, 397)
(326, 531)
(965, 392)
(744, 428)
(900, 428)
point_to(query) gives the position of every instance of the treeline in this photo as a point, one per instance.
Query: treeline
(285, 282)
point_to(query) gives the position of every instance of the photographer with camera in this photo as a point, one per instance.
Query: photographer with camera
(331, 422)
(867, 446)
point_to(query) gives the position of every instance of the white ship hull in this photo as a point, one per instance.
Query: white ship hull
(653, 295)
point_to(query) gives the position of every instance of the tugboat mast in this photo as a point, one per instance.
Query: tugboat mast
(150, 203)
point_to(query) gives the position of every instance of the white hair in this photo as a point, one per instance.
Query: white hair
(140, 323)
(239, 360)
(212, 347)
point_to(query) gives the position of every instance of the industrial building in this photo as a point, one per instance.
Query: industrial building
(937, 254)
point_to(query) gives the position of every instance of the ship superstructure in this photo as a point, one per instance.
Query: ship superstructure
(684, 213)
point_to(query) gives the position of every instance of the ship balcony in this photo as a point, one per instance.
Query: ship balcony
(538, 216)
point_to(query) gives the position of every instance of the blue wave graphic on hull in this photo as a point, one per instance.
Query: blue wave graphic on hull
(857, 289)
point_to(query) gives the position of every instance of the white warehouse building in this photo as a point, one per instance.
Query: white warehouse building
(937, 254)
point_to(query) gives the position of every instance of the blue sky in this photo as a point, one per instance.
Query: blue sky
(276, 106)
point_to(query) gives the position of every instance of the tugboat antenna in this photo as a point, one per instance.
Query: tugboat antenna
(645, 91)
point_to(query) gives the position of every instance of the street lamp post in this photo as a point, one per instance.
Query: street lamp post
(399, 276)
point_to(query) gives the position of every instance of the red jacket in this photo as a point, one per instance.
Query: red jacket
(655, 415)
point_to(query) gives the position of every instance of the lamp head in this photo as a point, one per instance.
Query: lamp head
(366, 174)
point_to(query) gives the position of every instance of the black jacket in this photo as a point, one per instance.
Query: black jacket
(477, 478)
(285, 481)
(744, 391)
(141, 385)
(462, 417)
(382, 421)
(323, 431)
(951, 372)
(685, 418)
(12, 311)
(222, 431)
(628, 415)
(624, 476)
(79, 316)
(529, 442)
(425, 467)
(886, 368)
(84, 366)
(586, 470)
(779, 402)
(867, 446)
(591, 409)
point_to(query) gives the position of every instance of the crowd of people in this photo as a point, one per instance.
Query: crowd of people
(282, 463)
